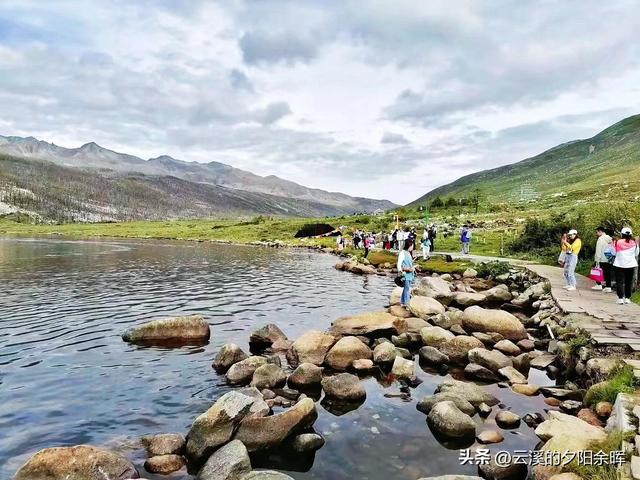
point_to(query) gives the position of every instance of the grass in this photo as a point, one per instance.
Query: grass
(622, 381)
(613, 442)
(579, 341)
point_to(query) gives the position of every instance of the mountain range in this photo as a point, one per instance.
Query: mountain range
(605, 166)
(184, 189)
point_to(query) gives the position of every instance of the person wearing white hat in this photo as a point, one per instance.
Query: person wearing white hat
(571, 245)
(625, 263)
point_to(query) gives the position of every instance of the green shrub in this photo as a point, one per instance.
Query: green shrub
(493, 269)
(579, 341)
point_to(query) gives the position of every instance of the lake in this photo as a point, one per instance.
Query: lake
(67, 378)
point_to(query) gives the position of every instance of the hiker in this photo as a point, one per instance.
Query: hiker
(340, 242)
(604, 240)
(367, 245)
(356, 239)
(426, 248)
(433, 232)
(571, 245)
(405, 266)
(465, 239)
(625, 263)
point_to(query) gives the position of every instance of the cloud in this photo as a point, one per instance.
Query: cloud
(273, 47)
(394, 138)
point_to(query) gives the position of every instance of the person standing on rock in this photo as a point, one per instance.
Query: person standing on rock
(625, 264)
(571, 244)
(602, 261)
(405, 266)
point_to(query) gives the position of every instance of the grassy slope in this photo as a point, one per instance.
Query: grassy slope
(567, 168)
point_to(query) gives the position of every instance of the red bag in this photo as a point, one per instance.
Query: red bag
(597, 275)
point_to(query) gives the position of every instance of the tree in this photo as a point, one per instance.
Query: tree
(475, 198)
(451, 202)
(436, 203)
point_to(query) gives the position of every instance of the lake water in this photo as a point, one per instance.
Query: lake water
(67, 378)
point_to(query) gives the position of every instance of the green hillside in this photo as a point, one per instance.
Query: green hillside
(606, 166)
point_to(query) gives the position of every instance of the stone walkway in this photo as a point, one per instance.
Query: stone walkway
(594, 311)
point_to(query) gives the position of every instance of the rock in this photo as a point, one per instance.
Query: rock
(229, 354)
(362, 365)
(311, 347)
(435, 287)
(522, 363)
(427, 403)
(489, 339)
(466, 299)
(435, 336)
(477, 372)
(478, 319)
(399, 311)
(241, 373)
(543, 361)
(560, 423)
(602, 368)
(489, 436)
(178, 330)
(425, 307)
(415, 324)
(404, 353)
(498, 294)
(507, 347)
(448, 420)
(533, 419)
(164, 444)
(526, 345)
(565, 476)
(512, 375)
(82, 462)
(259, 433)
(164, 464)
(373, 324)
(571, 407)
(458, 348)
(432, 356)
(490, 359)
(307, 442)
(384, 353)
(589, 416)
(266, 475)
(552, 402)
(268, 376)
(305, 375)
(343, 386)
(406, 340)
(345, 351)
(526, 389)
(507, 419)
(493, 471)
(474, 394)
(403, 368)
(484, 410)
(216, 426)
(267, 336)
(231, 462)
(470, 273)
(603, 409)
(396, 295)
(562, 393)
(458, 330)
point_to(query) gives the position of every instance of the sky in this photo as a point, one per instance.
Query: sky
(383, 99)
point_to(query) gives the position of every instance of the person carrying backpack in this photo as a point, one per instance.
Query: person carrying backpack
(602, 261)
(624, 265)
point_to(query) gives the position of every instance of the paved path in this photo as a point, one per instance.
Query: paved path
(595, 311)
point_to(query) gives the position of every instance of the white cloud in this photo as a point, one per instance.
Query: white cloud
(326, 93)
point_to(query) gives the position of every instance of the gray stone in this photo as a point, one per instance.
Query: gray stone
(268, 376)
(427, 403)
(507, 347)
(344, 386)
(490, 359)
(478, 319)
(231, 462)
(512, 375)
(435, 336)
(307, 442)
(477, 372)
(164, 444)
(241, 373)
(229, 354)
(474, 394)
(193, 328)
(425, 307)
(384, 353)
(489, 339)
(403, 368)
(447, 419)
(432, 356)
(311, 347)
(507, 419)
(458, 348)
(305, 375)
(164, 464)
(266, 475)
(543, 361)
(345, 351)
(267, 336)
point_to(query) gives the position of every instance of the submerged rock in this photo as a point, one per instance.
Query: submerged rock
(82, 462)
(305, 375)
(307, 442)
(228, 355)
(178, 330)
(164, 444)
(231, 462)
(493, 471)
(345, 351)
(479, 319)
(448, 420)
(259, 433)
(311, 347)
(344, 386)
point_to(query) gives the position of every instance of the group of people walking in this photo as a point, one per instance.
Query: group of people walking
(616, 258)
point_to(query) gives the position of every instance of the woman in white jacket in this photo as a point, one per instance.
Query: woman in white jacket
(604, 240)
(625, 264)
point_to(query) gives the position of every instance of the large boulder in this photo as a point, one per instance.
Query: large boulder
(427, 403)
(216, 426)
(82, 462)
(231, 462)
(396, 296)
(267, 336)
(345, 351)
(311, 347)
(229, 354)
(602, 368)
(425, 307)
(560, 423)
(498, 294)
(164, 444)
(562, 443)
(305, 375)
(399, 311)
(344, 386)
(384, 353)
(241, 373)
(435, 336)
(491, 359)
(471, 392)
(374, 324)
(178, 330)
(415, 324)
(435, 287)
(260, 433)
(479, 319)
(268, 376)
(448, 420)
(466, 299)
(458, 348)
